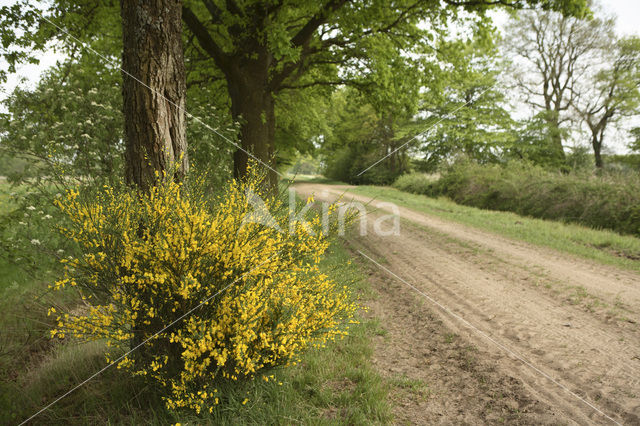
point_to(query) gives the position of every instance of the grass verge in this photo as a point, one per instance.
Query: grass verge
(333, 385)
(609, 200)
(603, 246)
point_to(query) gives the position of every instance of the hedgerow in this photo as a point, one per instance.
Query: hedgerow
(608, 201)
(416, 183)
(244, 296)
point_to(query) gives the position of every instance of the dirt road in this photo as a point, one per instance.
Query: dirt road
(521, 333)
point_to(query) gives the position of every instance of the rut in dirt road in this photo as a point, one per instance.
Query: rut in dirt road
(525, 298)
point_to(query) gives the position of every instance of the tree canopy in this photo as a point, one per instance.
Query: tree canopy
(261, 50)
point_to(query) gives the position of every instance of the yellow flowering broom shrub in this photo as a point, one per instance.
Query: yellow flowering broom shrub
(149, 260)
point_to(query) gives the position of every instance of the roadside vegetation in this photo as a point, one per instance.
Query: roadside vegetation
(104, 240)
(606, 201)
(601, 245)
(334, 384)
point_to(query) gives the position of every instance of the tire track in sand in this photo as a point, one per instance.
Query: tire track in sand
(490, 281)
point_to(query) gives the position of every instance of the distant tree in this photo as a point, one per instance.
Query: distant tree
(611, 93)
(550, 53)
(463, 105)
(634, 145)
(359, 137)
(370, 124)
(536, 142)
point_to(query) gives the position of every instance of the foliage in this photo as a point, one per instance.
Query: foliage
(301, 120)
(359, 137)
(604, 246)
(624, 162)
(578, 160)
(43, 127)
(536, 142)
(611, 202)
(305, 165)
(210, 150)
(241, 296)
(463, 105)
(634, 145)
(416, 183)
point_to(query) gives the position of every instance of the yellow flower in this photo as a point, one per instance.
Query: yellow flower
(155, 257)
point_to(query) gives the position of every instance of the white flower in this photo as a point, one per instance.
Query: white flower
(84, 135)
(26, 215)
(35, 242)
(60, 251)
(31, 208)
(46, 216)
(40, 212)
(22, 223)
(88, 122)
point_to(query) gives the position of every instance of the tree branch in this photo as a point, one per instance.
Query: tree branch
(204, 38)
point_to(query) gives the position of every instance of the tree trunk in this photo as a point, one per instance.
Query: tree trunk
(256, 112)
(253, 105)
(154, 91)
(597, 152)
(556, 134)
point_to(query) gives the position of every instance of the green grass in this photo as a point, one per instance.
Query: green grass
(603, 246)
(334, 385)
(314, 179)
(608, 200)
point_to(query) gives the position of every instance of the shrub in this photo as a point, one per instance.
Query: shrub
(609, 201)
(416, 183)
(241, 297)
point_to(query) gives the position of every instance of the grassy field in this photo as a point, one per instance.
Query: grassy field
(334, 385)
(601, 245)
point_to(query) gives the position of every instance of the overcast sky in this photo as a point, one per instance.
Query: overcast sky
(628, 13)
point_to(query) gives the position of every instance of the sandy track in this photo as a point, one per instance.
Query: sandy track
(575, 320)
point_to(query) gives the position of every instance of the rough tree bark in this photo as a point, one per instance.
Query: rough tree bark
(154, 90)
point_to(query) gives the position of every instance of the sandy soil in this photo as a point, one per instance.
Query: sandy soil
(569, 319)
